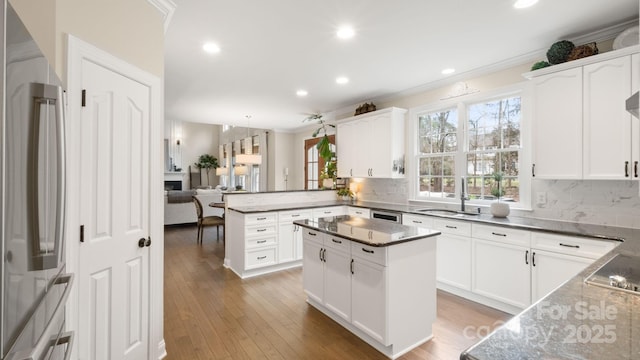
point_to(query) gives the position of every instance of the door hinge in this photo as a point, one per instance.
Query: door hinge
(81, 233)
(84, 97)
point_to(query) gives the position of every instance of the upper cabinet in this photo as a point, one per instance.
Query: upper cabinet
(581, 129)
(372, 145)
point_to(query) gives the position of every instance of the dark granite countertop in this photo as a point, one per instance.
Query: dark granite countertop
(369, 232)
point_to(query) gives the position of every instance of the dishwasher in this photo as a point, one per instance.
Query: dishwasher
(387, 215)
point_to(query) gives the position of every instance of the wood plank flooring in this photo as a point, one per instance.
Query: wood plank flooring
(210, 313)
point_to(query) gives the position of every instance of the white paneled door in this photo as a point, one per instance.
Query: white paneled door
(114, 210)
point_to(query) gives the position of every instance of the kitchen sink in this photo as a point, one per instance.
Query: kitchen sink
(622, 272)
(446, 212)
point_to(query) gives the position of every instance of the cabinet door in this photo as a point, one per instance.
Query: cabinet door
(550, 270)
(312, 270)
(286, 242)
(635, 123)
(501, 272)
(379, 158)
(297, 242)
(359, 212)
(453, 261)
(369, 297)
(337, 282)
(557, 125)
(346, 148)
(607, 124)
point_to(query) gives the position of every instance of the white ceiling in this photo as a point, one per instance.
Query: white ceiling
(270, 49)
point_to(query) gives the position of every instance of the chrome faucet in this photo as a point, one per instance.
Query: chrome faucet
(463, 195)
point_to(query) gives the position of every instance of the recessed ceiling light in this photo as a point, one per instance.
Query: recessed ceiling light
(211, 48)
(521, 4)
(302, 93)
(448, 71)
(345, 32)
(342, 80)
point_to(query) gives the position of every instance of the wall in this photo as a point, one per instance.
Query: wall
(282, 156)
(132, 30)
(198, 139)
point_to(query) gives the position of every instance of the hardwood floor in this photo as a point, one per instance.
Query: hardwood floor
(210, 313)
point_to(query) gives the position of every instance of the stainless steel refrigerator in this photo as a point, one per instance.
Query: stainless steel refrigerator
(34, 285)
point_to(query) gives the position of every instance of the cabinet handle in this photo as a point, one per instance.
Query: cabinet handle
(533, 258)
(570, 246)
(320, 254)
(533, 170)
(368, 251)
(626, 169)
(417, 222)
(351, 266)
(261, 257)
(635, 169)
(261, 241)
(310, 233)
(450, 227)
(327, 212)
(324, 255)
(261, 230)
(336, 241)
(350, 172)
(498, 234)
(526, 257)
(261, 218)
(295, 215)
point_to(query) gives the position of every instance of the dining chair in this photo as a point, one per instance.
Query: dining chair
(205, 221)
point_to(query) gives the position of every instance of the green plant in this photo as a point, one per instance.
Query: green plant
(345, 192)
(559, 51)
(323, 146)
(206, 162)
(330, 170)
(540, 65)
(498, 192)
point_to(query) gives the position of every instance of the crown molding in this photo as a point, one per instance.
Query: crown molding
(166, 8)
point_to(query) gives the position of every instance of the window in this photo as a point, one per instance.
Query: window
(314, 164)
(438, 145)
(479, 140)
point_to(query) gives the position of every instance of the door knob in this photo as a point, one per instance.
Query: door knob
(148, 242)
(142, 242)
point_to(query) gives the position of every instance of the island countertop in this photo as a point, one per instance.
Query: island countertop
(367, 231)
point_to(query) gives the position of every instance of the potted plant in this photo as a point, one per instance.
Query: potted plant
(345, 193)
(206, 162)
(499, 209)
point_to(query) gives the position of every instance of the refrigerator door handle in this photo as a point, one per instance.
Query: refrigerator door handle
(45, 95)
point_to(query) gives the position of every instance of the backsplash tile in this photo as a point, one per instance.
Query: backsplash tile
(600, 202)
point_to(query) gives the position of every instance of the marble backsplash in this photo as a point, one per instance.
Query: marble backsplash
(600, 202)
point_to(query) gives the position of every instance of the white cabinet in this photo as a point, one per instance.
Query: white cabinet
(607, 124)
(453, 260)
(358, 212)
(369, 299)
(290, 235)
(501, 269)
(313, 265)
(557, 125)
(372, 145)
(329, 211)
(557, 258)
(581, 129)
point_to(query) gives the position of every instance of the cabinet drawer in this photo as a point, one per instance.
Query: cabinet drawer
(290, 216)
(312, 235)
(417, 220)
(374, 254)
(260, 218)
(571, 245)
(359, 212)
(338, 243)
(260, 257)
(502, 234)
(452, 227)
(260, 230)
(329, 211)
(261, 241)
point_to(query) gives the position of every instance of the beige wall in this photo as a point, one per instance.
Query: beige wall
(198, 139)
(131, 30)
(282, 149)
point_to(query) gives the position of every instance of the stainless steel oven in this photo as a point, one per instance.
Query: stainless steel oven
(387, 215)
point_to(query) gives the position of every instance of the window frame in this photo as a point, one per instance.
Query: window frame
(462, 104)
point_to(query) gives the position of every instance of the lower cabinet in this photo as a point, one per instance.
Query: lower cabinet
(371, 291)
(454, 253)
(290, 235)
(550, 270)
(501, 272)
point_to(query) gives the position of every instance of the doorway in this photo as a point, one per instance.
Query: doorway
(313, 163)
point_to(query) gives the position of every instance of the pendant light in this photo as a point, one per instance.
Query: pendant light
(248, 158)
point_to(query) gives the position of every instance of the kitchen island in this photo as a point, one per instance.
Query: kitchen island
(375, 278)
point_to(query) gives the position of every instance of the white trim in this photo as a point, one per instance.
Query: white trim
(166, 8)
(79, 51)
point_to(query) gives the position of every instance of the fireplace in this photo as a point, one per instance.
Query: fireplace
(172, 185)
